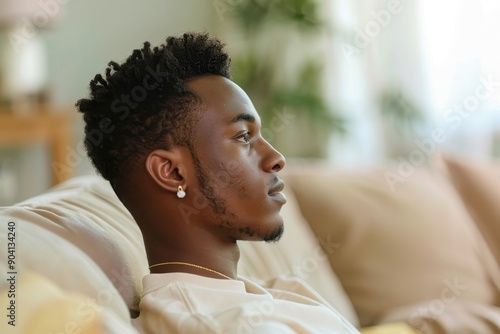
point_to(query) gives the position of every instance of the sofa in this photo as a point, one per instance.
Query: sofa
(397, 249)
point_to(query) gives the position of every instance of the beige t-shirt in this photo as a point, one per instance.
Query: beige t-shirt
(186, 303)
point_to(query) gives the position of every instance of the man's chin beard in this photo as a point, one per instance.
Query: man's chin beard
(275, 236)
(249, 234)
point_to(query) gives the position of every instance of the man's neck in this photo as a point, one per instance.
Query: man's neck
(210, 257)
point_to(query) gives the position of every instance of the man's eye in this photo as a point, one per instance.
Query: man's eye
(244, 137)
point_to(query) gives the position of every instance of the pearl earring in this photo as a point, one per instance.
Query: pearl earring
(180, 193)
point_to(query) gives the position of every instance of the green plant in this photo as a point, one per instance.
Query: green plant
(259, 68)
(402, 122)
(399, 112)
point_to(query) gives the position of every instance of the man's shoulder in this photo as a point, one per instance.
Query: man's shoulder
(287, 302)
(286, 288)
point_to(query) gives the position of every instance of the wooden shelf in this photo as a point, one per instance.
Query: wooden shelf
(50, 128)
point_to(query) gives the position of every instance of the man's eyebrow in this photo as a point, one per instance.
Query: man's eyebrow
(243, 117)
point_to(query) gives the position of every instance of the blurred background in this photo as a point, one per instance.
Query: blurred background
(355, 83)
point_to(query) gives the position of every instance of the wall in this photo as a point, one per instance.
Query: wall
(81, 39)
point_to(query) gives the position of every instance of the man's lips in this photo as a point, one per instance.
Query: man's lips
(275, 192)
(277, 188)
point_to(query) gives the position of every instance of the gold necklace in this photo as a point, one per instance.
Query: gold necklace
(191, 265)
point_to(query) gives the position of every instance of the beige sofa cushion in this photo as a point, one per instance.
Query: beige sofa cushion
(86, 212)
(459, 317)
(46, 254)
(298, 254)
(479, 186)
(416, 244)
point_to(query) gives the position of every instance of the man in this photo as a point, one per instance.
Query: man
(180, 143)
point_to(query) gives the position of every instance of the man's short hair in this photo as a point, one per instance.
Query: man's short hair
(144, 104)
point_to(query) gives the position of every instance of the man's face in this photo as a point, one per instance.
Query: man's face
(235, 166)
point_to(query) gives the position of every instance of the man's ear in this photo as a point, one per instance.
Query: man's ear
(166, 169)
